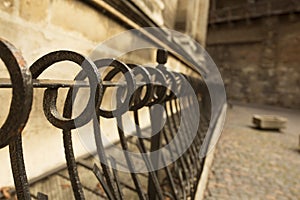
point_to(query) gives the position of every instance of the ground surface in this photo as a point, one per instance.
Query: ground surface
(256, 164)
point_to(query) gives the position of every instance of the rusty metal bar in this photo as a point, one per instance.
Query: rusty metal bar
(50, 83)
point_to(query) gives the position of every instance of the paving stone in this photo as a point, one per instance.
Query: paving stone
(255, 164)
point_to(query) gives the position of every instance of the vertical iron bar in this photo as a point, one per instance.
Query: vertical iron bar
(170, 178)
(187, 168)
(18, 169)
(156, 114)
(128, 159)
(69, 153)
(71, 165)
(103, 158)
(143, 150)
(41, 196)
(116, 176)
(153, 176)
(99, 176)
(177, 168)
(189, 153)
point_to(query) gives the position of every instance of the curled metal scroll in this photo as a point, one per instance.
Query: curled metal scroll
(21, 93)
(65, 122)
(130, 83)
(10, 132)
(50, 95)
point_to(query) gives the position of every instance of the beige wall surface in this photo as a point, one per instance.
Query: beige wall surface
(39, 27)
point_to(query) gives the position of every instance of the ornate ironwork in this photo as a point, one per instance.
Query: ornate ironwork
(180, 177)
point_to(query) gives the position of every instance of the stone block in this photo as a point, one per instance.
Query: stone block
(78, 17)
(7, 5)
(34, 11)
(269, 122)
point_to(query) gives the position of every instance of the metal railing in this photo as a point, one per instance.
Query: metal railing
(176, 180)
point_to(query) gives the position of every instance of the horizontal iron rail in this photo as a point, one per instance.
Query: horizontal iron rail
(51, 83)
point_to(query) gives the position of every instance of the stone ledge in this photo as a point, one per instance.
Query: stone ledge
(209, 160)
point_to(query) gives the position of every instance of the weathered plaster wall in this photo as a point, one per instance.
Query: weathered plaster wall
(37, 28)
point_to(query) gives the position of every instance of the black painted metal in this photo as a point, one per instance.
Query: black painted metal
(175, 181)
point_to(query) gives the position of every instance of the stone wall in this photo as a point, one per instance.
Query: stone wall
(191, 18)
(259, 59)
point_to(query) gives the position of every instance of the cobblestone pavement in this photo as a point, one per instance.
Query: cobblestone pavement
(256, 164)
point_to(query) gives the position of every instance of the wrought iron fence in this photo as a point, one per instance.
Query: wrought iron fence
(156, 86)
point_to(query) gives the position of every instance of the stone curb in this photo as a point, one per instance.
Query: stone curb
(209, 160)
